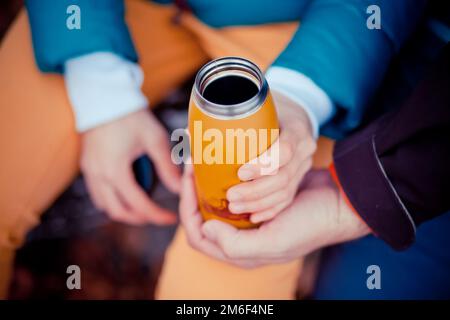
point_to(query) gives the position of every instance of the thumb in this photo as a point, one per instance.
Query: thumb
(234, 243)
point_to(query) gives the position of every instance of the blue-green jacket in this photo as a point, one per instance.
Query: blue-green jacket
(333, 46)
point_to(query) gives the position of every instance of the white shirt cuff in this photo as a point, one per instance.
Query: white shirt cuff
(102, 87)
(301, 89)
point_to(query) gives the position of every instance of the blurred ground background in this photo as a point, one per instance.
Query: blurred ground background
(116, 261)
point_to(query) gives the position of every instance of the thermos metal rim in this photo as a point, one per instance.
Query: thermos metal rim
(223, 67)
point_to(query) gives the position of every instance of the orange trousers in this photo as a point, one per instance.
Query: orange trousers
(40, 147)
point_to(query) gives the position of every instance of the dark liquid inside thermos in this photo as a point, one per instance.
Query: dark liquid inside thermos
(230, 90)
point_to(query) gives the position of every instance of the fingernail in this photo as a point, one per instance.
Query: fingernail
(236, 207)
(233, 195)
(245, 174)
(208, 231)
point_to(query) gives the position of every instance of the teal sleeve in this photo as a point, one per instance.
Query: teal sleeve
(103, 28)
(334, 47)
(221, 13)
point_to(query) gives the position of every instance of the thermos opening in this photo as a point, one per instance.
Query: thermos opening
(230, 88)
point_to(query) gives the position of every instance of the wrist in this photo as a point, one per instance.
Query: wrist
(292, 113)
(315, 102)
(344, 223)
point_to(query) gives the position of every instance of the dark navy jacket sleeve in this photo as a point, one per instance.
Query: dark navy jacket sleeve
(396, 172)
(103, 28)
(334, 47)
